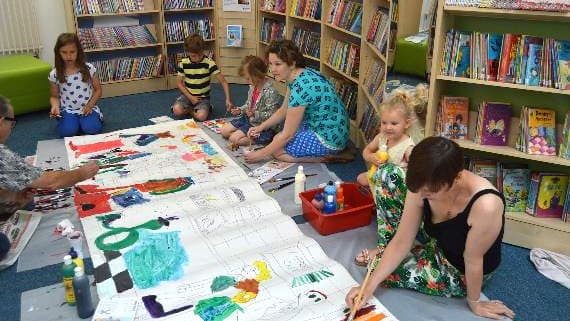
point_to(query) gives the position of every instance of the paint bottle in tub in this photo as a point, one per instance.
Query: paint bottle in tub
(318, 201)
(330, 205)
(68, 273)
(82, 294)
(300, 180)
(330, 190)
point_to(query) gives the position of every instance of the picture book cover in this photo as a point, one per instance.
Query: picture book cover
(515, 188)
(486, 168)
(463, 58)
(507, 67)
(532, 193)
(541, 139)
(563, 64)
(551, 195)
(234, 35)
(533, 65)
(495, 44)
(455, 117)
(564, 151)
(496, 123)
(526, 41)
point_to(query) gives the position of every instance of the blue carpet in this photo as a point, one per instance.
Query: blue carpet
(516, 282)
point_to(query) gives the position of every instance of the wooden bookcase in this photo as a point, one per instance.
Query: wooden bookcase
(329, 32)
(521, 229)
(405, 24)
(155, 16)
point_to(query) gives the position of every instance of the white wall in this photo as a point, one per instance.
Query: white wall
(51, 22)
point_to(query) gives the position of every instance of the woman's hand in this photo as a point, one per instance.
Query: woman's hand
(235, 111)
(195, 100)
(351, 298)
(255, 156)
(493, 309)
(229, 105)
(249, 113)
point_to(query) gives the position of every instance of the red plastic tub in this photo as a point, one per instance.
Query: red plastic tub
(357, 212)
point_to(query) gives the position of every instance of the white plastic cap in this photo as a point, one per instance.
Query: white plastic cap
(67, 259)
(78, 271)
(337, 184)
(300, 169)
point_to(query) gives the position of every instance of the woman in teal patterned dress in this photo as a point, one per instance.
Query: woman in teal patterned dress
(463, 217)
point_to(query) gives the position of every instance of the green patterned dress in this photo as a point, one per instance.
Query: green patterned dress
(425, 269)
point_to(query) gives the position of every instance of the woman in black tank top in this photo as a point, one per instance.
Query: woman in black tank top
(463, 217)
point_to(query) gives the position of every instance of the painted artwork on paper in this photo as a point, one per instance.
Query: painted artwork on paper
(175, 224)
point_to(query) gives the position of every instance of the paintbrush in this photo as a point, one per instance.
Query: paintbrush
(361, 292)
(275, 189)
(273, 180)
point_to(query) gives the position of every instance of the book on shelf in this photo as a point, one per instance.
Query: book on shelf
(486, 168)
(508, 58)
(234, 35)
(186, 4)
(374, 82)
(348, 93)
(537, 131)
(273, 5)
(178, 30)
(345, 57)
(272, 30)
(547, 194)
(369, 122)
(493, 123)
(112, 37)
(306, 8)
(309, 42)
(453, 117)
(346, 15)
(108, 6)
(378, 31)
(536, 5)
(566, 209)
(513, 182)
(125, 68)
(564, 149)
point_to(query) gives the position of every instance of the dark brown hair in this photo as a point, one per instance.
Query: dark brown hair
(254, 66)
(287, 51)
(65, 39)
(434, 163)
(194, 44)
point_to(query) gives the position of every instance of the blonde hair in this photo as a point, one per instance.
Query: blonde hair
(413, 105)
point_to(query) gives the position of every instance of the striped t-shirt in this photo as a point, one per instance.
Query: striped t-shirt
(197, 75)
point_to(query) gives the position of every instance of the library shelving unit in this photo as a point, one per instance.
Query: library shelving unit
(327, 33)
(521, 229)
(180, 19)
(404, 21)
(149, 16)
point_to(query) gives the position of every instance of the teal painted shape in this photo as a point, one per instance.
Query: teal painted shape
(156, 257)
(222, 282)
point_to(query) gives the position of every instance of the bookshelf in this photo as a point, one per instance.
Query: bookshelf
(405, 21)
(100, 21)
(167, 21)
(521, 229)
(316, 37)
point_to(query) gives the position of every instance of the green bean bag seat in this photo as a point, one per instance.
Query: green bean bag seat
(23, 80)
(410, 57)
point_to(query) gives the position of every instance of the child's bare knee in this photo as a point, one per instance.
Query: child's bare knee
(227, 130)
(179, 110)
(201, 115)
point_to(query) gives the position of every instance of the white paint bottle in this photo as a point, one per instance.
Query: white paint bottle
(300, 180)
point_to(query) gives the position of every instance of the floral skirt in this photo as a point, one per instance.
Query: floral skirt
(425, 269)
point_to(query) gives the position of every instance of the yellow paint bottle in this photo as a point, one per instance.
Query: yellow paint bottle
(382, 155)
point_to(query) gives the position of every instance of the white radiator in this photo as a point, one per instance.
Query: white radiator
(19, 27)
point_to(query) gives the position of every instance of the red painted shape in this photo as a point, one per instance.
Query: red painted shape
(94, 147)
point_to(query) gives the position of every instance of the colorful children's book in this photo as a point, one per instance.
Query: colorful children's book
(463, 58)
(541, 131)
(486, 168)
(563, 47)
(494, 47)
(507, 68)
(526, 41)
(515, 185)
(533, 65)
(551, 195)
(455, 117)
(496, 122)
(564, 151)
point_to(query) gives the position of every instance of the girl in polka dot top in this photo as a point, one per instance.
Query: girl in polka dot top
(75, 89)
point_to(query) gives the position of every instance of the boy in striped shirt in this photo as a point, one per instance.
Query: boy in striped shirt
(194, 75)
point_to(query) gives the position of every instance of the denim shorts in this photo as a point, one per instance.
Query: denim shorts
(242, 123)
(204, 104)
